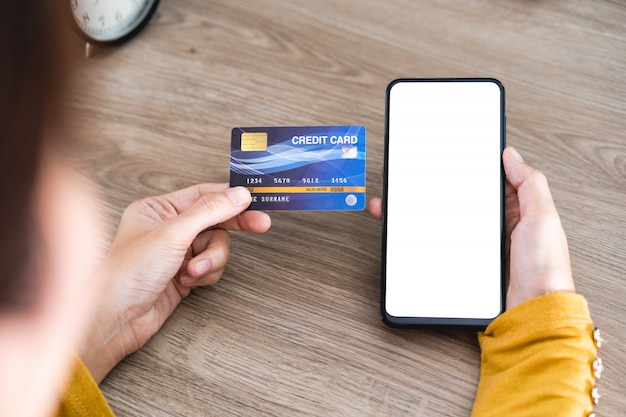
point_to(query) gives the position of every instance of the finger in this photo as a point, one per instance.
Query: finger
(511, 208)
(248, 221)
(213, 246)
(375, 207)
(531, 185)
(183, 199)
(212, 253)
(209, 210)
(210, 278)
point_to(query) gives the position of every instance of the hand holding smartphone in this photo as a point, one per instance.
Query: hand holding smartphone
(443, 202)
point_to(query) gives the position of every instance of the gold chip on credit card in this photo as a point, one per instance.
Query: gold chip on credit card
(254, 141)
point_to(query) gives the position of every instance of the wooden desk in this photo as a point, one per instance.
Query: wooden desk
(293, 328)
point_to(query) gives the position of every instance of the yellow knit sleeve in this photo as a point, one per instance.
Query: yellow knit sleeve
(82, 396)
(538, 360)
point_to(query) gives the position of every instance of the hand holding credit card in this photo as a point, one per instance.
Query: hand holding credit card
(300, 168)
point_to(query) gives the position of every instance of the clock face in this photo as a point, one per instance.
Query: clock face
(111, 20)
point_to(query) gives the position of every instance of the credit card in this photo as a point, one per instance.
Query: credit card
(301, 167)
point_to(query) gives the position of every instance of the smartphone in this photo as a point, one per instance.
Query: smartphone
(443, 203)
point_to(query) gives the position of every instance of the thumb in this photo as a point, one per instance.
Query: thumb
(531, 184)
(211, 209)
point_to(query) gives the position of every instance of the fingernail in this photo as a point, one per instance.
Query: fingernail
(239, 196)
(515, 154)
(201, 267)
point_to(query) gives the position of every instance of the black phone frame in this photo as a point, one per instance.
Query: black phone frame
(441, 322)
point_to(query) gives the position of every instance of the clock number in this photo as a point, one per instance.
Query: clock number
(101, 19)
(86, 18)
(74, 4)
(118, 16)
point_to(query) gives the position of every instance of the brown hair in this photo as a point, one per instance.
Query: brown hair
(30, 73)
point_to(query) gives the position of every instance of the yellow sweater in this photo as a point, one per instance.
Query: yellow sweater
(82, 397)
(537, 360)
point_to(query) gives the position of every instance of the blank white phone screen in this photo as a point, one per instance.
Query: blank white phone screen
(443, 201)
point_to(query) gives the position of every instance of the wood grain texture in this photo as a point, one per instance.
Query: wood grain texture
(292, 329)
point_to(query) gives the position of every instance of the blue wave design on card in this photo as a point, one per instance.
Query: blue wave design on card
(301, 167)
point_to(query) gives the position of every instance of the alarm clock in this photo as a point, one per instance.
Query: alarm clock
(111, 21)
